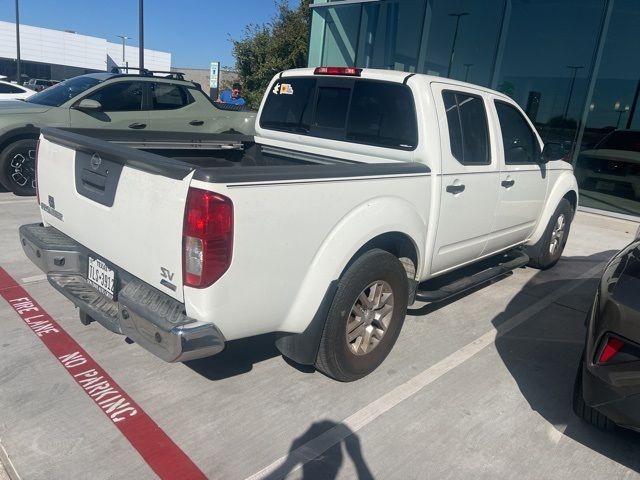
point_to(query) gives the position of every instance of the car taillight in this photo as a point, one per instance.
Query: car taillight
(36, 173)
(348, 71)
(616, 350)
(207, 240)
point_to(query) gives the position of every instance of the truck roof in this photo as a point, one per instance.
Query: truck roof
(393, 76)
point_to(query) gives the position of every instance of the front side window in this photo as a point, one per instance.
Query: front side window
(518, 140)
(120, 97)
(468, 130)
(167, 96)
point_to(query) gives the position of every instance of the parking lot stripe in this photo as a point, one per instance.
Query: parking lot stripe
(162, 455)
(34, 279)
(320, 444)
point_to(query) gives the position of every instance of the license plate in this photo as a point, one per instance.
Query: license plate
(101, 277)
(605, 186)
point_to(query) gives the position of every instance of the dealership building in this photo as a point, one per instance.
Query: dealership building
(57, 55)
(572, 65)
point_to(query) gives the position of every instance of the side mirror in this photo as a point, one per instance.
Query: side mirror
(88, 104)
(552, 151)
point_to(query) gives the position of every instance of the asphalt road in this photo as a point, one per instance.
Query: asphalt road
(479, 387)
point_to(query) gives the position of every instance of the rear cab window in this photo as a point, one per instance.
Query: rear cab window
(357, 110)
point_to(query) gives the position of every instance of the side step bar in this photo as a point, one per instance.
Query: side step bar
(448, 285)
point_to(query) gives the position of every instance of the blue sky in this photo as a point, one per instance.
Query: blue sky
(196, 32)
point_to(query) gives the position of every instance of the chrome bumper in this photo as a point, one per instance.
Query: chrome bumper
(152, 319)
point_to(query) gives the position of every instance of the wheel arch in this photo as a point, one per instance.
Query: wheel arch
(565, 187)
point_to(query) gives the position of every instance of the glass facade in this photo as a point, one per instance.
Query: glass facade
(572, 65)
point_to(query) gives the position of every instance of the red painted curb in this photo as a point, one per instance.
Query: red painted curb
(164, 457)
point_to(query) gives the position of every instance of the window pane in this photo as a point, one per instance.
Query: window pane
(382, 114)
(4, 88)
(518, 141)
(453, 122)
(120, 97)
(167, 96)
(468, 130)
(608, 164)
(475, 135)
(331, 108)
(289, 111)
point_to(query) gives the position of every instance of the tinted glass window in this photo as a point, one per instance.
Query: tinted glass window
(621, 140)
(289, 105)
(382, 114)
(166, 96)
(61, 92)
(120, 96)
(4, 88)
(468, 131)
(331, 108)
(518, 140)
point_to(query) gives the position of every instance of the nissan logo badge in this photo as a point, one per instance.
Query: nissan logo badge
(95, 161)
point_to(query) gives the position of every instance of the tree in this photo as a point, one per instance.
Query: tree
(269, 48)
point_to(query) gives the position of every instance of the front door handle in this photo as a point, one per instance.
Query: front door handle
(196, 123)
(138, 126)
(455, 188)
(508, 183)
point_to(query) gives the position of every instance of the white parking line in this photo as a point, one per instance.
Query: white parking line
(317, 446)
(18, 200)
(34, 279)
(6, 462)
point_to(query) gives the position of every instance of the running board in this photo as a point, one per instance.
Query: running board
(450, 284)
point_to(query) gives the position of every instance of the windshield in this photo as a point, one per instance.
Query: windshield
(58, 94)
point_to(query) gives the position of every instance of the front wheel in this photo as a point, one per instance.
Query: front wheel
(18, 167)
(365, 317)
(547, 251)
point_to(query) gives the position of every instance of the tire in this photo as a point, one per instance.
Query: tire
(18, 167)
(352, 346)
(548, 250)
(584, 411)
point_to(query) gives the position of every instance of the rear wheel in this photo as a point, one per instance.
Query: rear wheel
(365, 317)
(18, 167)
(547, 251)
(584, 411)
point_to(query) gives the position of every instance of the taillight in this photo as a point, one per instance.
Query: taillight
(207, 240)
(36, 173)
(616, 350)
(348, 71)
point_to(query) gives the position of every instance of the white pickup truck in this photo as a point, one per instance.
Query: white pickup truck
(365, 190)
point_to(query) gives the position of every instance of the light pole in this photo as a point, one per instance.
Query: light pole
(575, 69)
(467, 66)
(141, 35)
(619, 111)
(124, 38)
(455, 37)
(18, 72)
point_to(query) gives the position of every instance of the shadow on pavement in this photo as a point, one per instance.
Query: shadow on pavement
(327, 465)
(237, 358)
(542, 355)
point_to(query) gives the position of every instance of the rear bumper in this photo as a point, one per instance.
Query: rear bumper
(152, 319)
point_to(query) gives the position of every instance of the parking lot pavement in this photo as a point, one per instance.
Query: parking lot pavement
(477, 387)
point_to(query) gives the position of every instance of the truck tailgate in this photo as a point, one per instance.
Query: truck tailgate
(124, 205)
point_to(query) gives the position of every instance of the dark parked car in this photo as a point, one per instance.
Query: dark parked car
(607, 389)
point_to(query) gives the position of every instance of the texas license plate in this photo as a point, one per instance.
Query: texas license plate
(101, 277)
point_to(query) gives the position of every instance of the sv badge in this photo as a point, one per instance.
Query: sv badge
(166, 273)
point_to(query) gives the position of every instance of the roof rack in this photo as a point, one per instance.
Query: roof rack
(149, 73)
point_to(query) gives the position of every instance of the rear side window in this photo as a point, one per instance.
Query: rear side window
(167, 96)
(382, 114)
(519, 142)
(4, 88)
(468, 130)
(354, 110)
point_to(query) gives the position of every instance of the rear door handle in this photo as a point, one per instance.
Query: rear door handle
(196, 123)
(137, 126)
(508, 183)
(455, 188)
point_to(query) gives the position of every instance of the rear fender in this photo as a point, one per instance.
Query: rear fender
(565, 183)
(366, 221)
